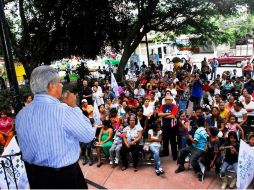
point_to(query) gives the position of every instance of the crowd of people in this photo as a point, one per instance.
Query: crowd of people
(155, 111)
(151, 113)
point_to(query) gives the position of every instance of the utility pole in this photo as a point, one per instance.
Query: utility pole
(9, 65)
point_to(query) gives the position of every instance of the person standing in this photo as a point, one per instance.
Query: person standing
(86, 92)
(49, 133)
(214, 64)
(197, 91)
(168, 113)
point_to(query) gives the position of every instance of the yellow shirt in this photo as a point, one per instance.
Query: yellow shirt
(224, 113)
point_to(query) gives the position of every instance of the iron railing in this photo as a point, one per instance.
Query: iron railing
(7, 164)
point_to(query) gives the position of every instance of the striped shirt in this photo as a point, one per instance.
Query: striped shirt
(49, 132)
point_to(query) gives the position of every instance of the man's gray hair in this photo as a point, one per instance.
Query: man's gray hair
(41, 77)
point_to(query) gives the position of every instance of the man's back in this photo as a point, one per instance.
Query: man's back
(49, 132)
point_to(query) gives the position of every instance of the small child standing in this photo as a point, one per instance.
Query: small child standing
(232, 125)
(117, 145)
(231, 158)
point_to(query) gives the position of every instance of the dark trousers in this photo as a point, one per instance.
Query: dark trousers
(135, 150)
(249, 129)
(196, 102)
(86, 150)
(195, 155)
(207, 158)
(69, 177)
(169, 134)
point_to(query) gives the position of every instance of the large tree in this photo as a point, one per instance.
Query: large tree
(177, 16)
(48, 30)
(53, 29)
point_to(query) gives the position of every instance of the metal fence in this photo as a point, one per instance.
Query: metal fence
(7, 165)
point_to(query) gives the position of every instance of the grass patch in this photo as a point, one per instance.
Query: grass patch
(72, 77)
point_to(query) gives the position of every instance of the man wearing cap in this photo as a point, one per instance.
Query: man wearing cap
(87, 109)
(168, 113)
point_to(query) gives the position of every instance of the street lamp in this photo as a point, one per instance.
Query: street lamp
(9, 65)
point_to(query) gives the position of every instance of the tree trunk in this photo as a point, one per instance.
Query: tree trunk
(129, 48)
(120, 77)
(135, 36)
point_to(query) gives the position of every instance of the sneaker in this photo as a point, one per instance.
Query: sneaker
(116, 161)
(157, 172)
(200, 176)
(180, 169)
(90, 163)
(84, 161)
(111, 162)
(161, 171)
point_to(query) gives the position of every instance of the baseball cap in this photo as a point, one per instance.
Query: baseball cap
(84, 100)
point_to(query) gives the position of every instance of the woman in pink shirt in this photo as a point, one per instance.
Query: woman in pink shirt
(6, 129)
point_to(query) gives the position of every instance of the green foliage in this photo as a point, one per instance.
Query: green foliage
(53, 29)
(5, 100)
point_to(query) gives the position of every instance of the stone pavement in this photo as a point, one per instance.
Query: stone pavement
(145, 177)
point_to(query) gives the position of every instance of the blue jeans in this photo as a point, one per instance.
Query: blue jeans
(213, 73)
(182, 142)
(182, 105)
(156, 155)
(225, 166)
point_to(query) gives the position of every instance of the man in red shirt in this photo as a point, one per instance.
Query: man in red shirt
(168, 113)
(131, 102)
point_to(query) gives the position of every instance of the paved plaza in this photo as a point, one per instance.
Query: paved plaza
(145, 177)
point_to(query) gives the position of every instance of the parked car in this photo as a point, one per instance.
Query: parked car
(230, 59)
(183, 55)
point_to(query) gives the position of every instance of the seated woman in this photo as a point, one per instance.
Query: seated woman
(131, 140)
(6, 129)
(231, 147)
(105, 140)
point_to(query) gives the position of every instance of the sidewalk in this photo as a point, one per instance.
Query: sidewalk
(145, 177)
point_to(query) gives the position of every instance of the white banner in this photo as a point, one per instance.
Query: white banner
(96, 115)
(18, 166)
(245, 170)
(114, 84)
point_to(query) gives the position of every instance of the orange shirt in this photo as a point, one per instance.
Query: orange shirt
(89, 109)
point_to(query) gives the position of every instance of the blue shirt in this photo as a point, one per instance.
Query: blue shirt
(197, 90)
(214, 64)
(49, 132)
(201, 137)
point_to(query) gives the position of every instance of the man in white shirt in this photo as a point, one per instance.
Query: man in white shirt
(96, 83)
(148, 109)
(139, 92)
